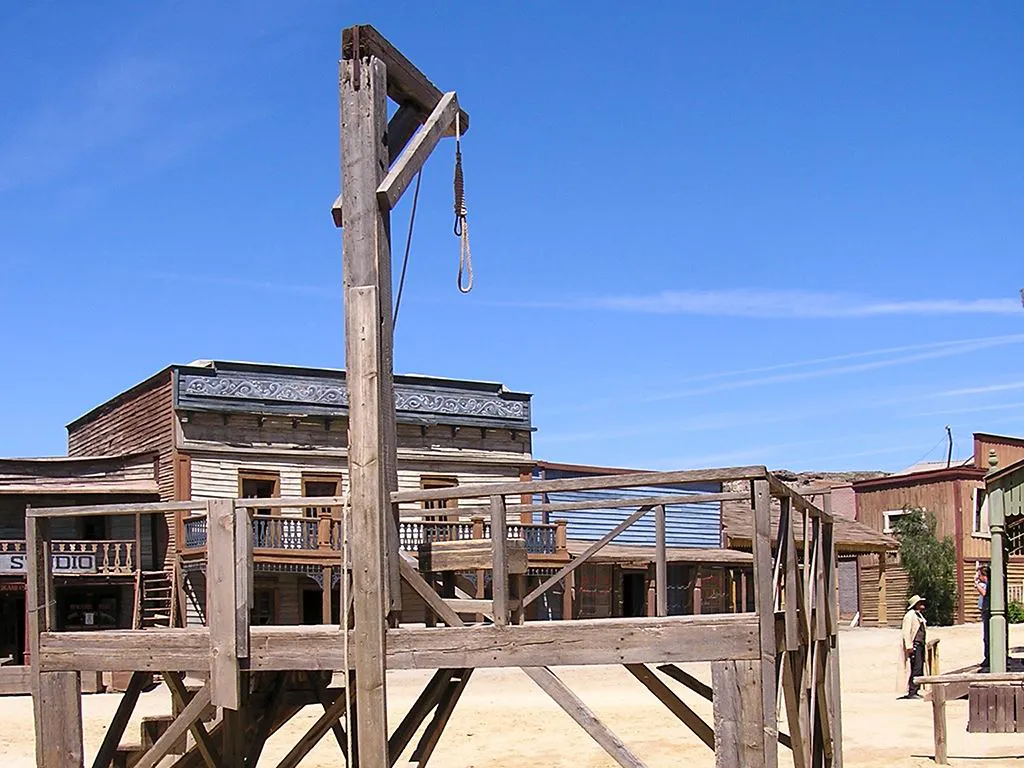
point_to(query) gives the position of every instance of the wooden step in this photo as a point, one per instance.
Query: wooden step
(127, 755)
(153, 728)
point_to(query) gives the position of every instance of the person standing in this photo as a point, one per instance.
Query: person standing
(914, 629)
(981, 579)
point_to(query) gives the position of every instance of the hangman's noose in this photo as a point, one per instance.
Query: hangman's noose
(461, 225)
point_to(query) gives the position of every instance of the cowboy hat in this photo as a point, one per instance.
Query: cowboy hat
(914, 601)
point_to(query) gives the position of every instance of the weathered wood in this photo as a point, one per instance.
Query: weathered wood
(422, 707)
(433, 600)
(675, 705)
(470, 605)
(499, 561)
(222, 601)
(681, 676)
(406, 84)
(269, 710)
(676, 639)
(971, 677)
(630, 480)
(125, 708)
(739, 717)
(204, 743)
(322, 695)
(326, 721)
(660, 562)
(629, 502)
(244, 583)
(445, 707)
(411, 161)
(764, 599)
(792, 670)
(793, 604)
(577, 562)
(939, 724)
(401, 128)
(471, 555)
(91, 510)
(58, 697)
(578, 711)
(177, 729)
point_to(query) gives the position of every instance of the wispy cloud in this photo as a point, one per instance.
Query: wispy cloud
(983, 390)
(269, 286)
(782, 304)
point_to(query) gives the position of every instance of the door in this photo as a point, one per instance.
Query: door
(12, 627)
(634, 593)
(312, 606)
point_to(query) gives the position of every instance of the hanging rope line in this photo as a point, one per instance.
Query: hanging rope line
(461, 225)
(408, 245)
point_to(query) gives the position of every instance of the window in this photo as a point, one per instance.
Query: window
(320, 485)
(980, 524)
(429, 482)
(254, 484)
(262, 612)
(891, 516)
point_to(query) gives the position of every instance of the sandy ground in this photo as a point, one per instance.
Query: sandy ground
(503, 719)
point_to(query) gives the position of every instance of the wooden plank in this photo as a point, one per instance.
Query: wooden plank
(587, 720)
(792, 671)
(244, 582)
(939, 724)
(176, 729)
(578, 561)
(1018, 695)
(764, 599)
(499, 560)
(675, 705)
(738, 714)
(418, 712)
(406, 84)
(58, 697)
(660, 562)
(221, 601)
(629, 480)
(972, 677)
(628, 502)
(469, 605)
(433, 600)
(793, 602)
(269, 709)
(450, 696)
(93, 510)
(322, 695)
(125, 708)
(681, 676)
(411, 161)
(471, 555)
(204, 743)
(326, 721)
(401, 128)
(675, 639)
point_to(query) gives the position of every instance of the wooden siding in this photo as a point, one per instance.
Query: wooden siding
(896, 584)
(848, 586)
(1009, 450)
(141, 422)
(128, 474)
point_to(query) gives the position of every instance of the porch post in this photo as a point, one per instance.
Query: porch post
(997, 629)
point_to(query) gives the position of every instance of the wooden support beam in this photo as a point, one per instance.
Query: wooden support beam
(411, 161)
(587, 720)
(320, 689)
(326, 721)
(59, 720)
(499, 567)
(204, 743)
(177, 729)
(681, 676)
(401, 128)
(422, 707)
(939, 723)
(675, 705)
(434, 601)
(587, 553)
(792, 682)
(630, 480)
(222, 600)
(764, 600)
(406, 84)
(660, 562)
(125, 708)
(739, 717)
(263, 725)
(471, 555)
(445, 707)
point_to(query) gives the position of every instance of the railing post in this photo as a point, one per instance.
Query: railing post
(499, 573)
(661, 562)
(478, 527)
(764, 603)
(324, 531)
(561, 537)
(229, 547)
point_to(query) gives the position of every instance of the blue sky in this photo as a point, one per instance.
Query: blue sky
(704, 233)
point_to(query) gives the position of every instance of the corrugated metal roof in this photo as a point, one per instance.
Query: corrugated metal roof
(625, 553)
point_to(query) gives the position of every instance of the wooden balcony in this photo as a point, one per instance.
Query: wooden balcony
(312, 539)
(102, 557)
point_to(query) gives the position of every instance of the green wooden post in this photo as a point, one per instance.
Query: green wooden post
(997, 629)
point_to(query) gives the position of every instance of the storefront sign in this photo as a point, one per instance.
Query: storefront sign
(78, 562)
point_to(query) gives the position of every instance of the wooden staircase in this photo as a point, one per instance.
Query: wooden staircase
(155, 600)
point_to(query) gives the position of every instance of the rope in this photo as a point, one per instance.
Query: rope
(408, 245)
(461, 227)
(344, 619)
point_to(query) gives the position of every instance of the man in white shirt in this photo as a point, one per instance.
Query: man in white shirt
(914, 629)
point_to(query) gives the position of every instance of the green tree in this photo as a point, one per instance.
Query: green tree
(930, 564)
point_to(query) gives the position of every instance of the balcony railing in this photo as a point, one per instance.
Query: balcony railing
(104, 557)
(310, 534)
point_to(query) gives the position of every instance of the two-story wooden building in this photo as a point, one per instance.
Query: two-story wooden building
(99, 563)
(955, 494)
(224, 430)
